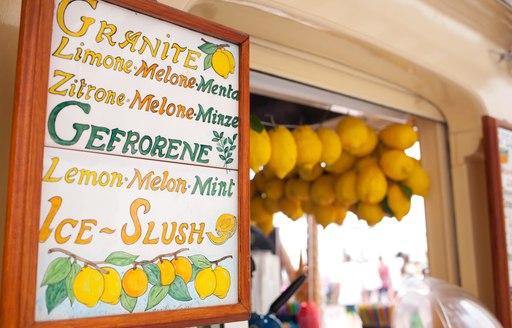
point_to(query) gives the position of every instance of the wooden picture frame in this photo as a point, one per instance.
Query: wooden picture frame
(500, 218)
(20, 261)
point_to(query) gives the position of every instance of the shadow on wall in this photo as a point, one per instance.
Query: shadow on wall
(9, 42)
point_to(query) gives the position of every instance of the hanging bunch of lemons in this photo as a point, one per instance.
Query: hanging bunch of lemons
(325, 173)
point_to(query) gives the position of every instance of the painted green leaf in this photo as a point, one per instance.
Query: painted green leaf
(406, 190)
(229, 161)
(207, 62)
(236, 135)
(230, 141)
(200, 261)
(215, 139)
(229, 154)
(224, 142)
(153, 273)
(232, 148)
(178, 290)
(221, 135)
(219, 149)
(222, 157)
(128, 302)
(195, 270)
(226, 149)
(57, 271)
(121, 258)
(216, 134)
(255, 124)
(156, 295)
(55, 294)
(208, 48)
(75, 268)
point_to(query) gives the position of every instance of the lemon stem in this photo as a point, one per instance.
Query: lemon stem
(224, 45)
(160, 256)
(79, 258)
(221, 259)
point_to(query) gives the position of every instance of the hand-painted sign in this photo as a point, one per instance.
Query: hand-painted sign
(140, 207)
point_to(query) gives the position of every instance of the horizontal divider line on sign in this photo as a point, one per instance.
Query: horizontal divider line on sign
(142, 158)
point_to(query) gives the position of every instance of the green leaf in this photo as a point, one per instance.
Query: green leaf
(207, 62)
(221, 135)
(219, 149)
(232, 148)
(230, 141)
(385, 207)
(222, 157)
(236, 135)
(216, 134)
(195, 270)
(57, 271)
(128, 302)
(178, 290)
(156, 295)
(406, 190)
(224, 142)
(153, 273)
(75, 268)
(208, 48)
(226, 149)
(55, 294)
(215, 139)
(229, 161)
(200, 261)
(229, 154)
(121, 258)
(255, 124)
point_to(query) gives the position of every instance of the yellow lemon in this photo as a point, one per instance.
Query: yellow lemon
(396, 165)
(258, 211)
(135, 282)
(369, 145)
(271, 205)
(167, 272)
(182, 268)
(274, 188)
(297, 189)
(364, 162)
(223, 62)
(205, 283)
(398, 202)
(266, 225)
(340, 213)
(344, 163)
(322, 190)
(284, 151)
(88, 286)
(371, 213)
(331, 145)
(371, 185)
(112, 290)
(352, 132)
(345, 188)
(418, 180)
(308, 206)
(259, 182)
(310, 174)
(325, 214)
(291, 208)
(223, 279)
(226, 223)
(259, 155)
(398, 136)
(309, 146)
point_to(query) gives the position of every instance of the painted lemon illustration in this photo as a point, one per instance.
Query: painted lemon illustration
(226, 226)
(112, 290)
(167, 272)
(223, 280)
(223, 62)
(88, 286)
(135, 282)
(182, 267)
(205, 283)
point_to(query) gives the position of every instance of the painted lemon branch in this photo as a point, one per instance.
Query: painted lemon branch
(216, 262)
(160, 257)
(79, 258)
(219, 46)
